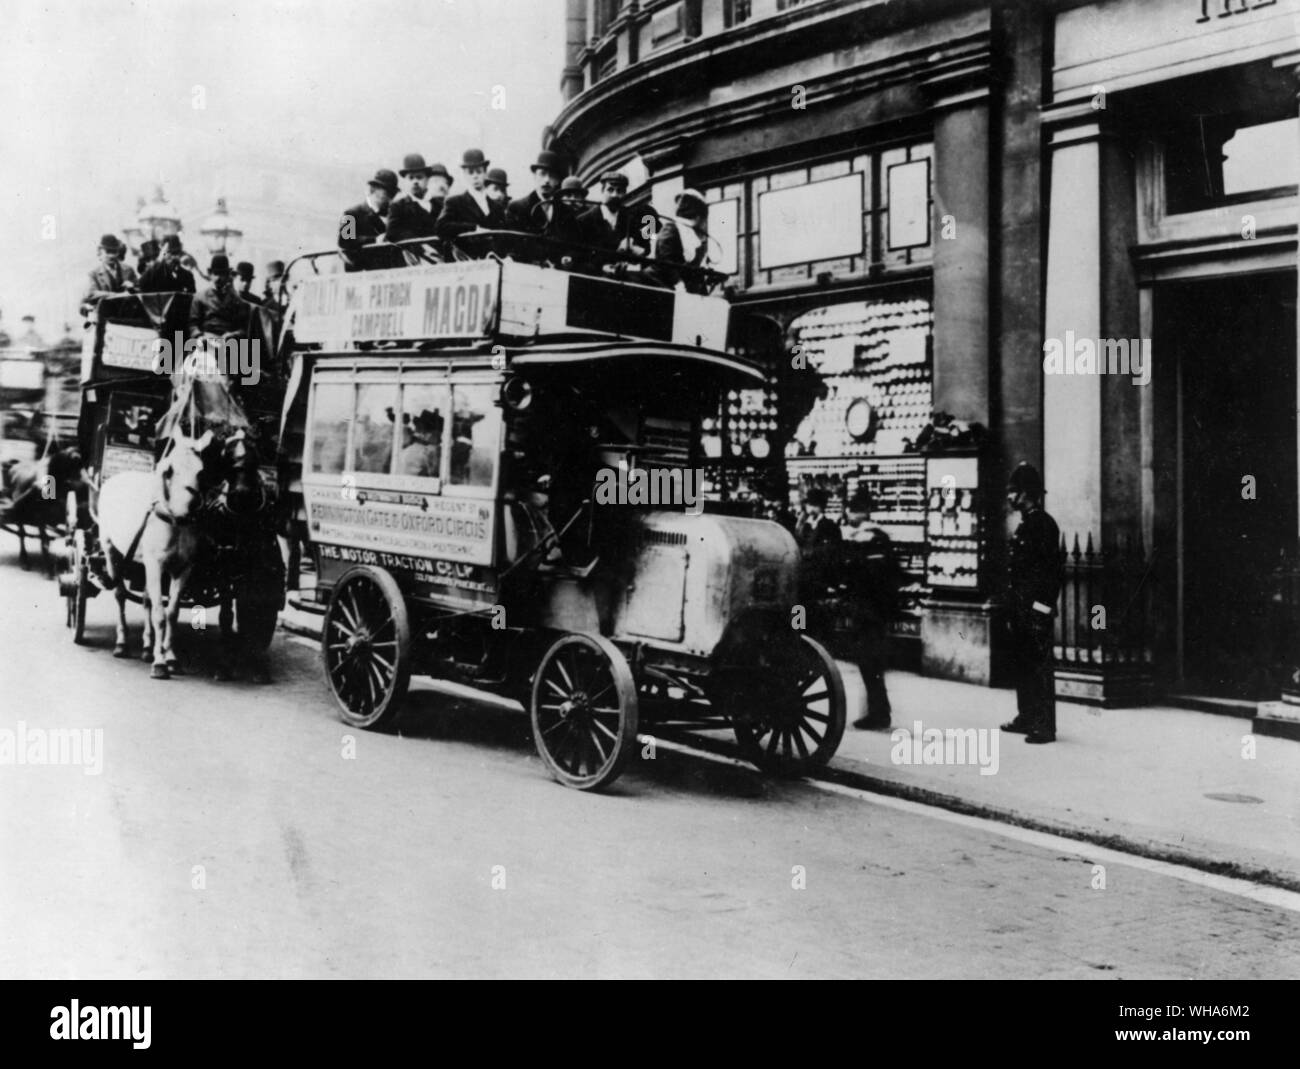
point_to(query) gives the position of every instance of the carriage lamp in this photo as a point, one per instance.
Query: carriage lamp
(219, 231)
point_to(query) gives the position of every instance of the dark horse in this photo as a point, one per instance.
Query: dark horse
(37, 492)
(240, 520)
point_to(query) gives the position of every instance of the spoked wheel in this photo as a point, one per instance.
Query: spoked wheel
(584, 711)
(78, 583)
(366, 647)
(789, 718)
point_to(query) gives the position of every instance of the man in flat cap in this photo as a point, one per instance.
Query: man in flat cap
(366, 223)
(473, 209)
(218, 309)
(168, 275)
(534, 214)
(111, 276)
(614, 227)
(415, 213)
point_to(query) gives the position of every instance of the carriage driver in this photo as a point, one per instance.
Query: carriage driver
(218, 309)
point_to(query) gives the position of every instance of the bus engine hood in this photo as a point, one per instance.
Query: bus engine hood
(693, 575)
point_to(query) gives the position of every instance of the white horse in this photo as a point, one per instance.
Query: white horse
(149, 517)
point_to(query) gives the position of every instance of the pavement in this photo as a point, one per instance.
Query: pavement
(1188, 787)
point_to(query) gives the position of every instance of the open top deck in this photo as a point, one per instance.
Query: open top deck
(497, 299)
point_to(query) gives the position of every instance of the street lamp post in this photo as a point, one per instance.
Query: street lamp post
(220, 232)
(158, 219)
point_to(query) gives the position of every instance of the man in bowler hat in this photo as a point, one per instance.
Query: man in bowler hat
(1032, 585)
(473, 209)
(218, 309)
(415, 213)
(168, 275)
(244, 275)
(535, 213)
(111, 276)
(366, 223)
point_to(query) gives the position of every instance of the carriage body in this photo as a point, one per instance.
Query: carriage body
(602, 611)
(126, 393)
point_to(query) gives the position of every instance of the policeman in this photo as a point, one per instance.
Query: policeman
(873, 581)
(1033, 583)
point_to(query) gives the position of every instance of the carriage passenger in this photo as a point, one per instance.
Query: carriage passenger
(218, 309)
(168, 275)
(244, 274)
(422, 446)
(110, 277)
(366, 223)
(473, 209)
(683, 240)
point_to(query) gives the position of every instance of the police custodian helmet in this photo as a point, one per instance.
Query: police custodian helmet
(1026, 479)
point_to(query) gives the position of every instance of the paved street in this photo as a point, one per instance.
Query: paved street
(228, 836)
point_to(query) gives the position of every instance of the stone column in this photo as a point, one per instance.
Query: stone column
(958, 632)
(1093, 424)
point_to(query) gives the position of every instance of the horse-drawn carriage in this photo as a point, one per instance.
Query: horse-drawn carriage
(37, 459)
(176, 484)
(500, 470)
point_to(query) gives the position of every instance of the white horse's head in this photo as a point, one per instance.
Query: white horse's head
(180, 473)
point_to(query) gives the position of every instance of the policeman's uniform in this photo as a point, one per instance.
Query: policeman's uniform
(1032, 586)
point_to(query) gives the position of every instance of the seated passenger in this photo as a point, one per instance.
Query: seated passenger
(534, 213)
(422, 446)
(472, 209)
(415, 213)
(110, 277)
(612, 226)
(683, 240)
(168, 275)
(366, 223)
(497, 186)
(245, 273)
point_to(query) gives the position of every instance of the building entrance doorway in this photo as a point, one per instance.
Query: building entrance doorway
(1235, 343)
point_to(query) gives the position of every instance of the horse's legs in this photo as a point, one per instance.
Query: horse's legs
(22, 547)
(226, 616)
(153, 580)
(169, 620)
(116, 568)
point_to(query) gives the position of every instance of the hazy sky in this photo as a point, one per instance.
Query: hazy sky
(99, 107)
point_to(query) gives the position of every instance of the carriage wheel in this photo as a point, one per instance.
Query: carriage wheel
(584, 711)
(366, 647)
(77, 585)
(792, 724)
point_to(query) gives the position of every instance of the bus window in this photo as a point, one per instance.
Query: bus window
(332, 414)
(475, 434)
(424, 418)
(372, 442)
